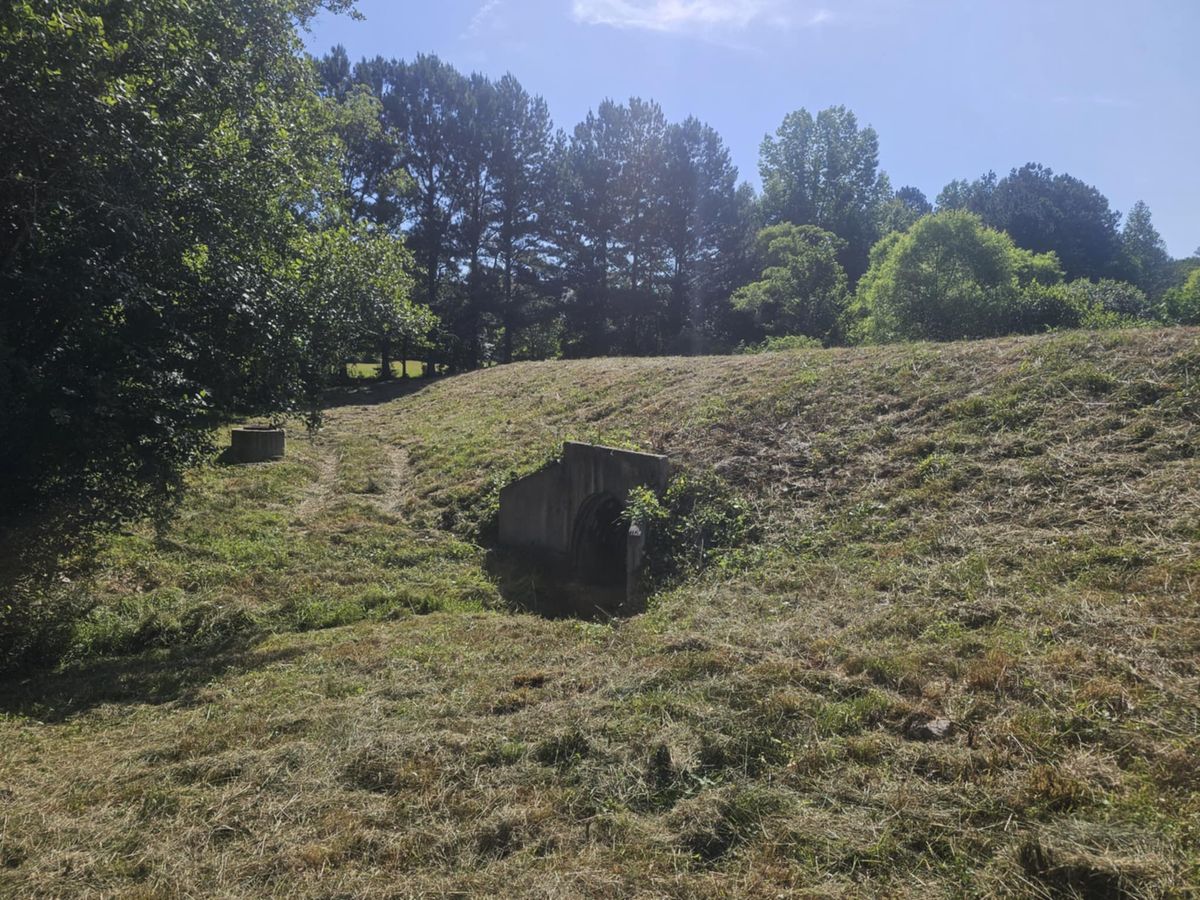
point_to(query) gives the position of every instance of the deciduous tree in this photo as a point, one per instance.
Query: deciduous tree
(948, 277)
(803, 289)
(823, 171)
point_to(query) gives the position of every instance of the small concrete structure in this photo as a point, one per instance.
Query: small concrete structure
(257, 443)
(570, 513)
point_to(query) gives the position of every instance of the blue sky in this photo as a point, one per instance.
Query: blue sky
(1107, 90)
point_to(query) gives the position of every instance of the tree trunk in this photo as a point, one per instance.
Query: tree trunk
(385, 354)
(507, 318)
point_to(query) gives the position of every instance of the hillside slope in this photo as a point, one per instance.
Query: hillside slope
(312, 685)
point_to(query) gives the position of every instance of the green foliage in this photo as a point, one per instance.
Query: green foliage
(644, 508)
(698, 521)
(1147, 262)
(175, 253)
(359, 282)
(948, 277)
(823, 170)
(1181, 305)
(803, 288)
(1046, 213)
(781, 343)
(901, 210)
(640, 219)
(1084, 304)
(163, 168)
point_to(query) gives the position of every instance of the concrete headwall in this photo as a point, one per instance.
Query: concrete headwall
(539, 512)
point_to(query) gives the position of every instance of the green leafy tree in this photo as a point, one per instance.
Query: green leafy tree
(969, 196)
(823, 171)
(901, 210)
(1045, 213)
(1147, 262)
(373, 180)
(360, 283)
(158, 175)
(948, 277)
(163, 172)
(803, 289)
(1181, 305)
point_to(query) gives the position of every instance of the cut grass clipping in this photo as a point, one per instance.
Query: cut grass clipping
(943, 642)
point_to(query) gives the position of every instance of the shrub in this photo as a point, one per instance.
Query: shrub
(948, 277)
(698, 520)
(1181, 305)
(781, 343)
(1083, 304)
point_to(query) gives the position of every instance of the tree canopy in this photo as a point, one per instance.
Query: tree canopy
(823, 170)
(168, 176)
(1047, 213)
(948, 277)
(631, 234)
(803, 289)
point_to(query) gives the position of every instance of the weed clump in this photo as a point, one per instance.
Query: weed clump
(563, 749)
(699, 521)
(712, 824)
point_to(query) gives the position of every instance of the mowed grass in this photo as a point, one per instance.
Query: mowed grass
(310, 686)
(371, 370)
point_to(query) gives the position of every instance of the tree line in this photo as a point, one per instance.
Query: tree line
(632, 235)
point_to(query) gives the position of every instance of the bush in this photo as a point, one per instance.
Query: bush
(1082, 304)
(803, 288)
(781, 343)
(1181, 305)
(698, 521)
(948, 277)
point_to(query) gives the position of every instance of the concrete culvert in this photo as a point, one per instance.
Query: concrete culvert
(599, 540)
(257, 443)
(568, 517)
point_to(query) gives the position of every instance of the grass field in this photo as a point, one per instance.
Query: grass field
(310, 686)
(371, 370)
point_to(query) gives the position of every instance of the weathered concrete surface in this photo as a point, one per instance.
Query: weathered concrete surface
(548, 511)
(257, 444)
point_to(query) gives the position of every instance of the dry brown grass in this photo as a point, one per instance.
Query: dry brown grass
(1003, 534)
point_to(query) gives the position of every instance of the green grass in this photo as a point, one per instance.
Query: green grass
(371, 370)
(311, 686)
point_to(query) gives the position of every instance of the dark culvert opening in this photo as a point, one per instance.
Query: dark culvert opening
(587, 583)
(598, 542)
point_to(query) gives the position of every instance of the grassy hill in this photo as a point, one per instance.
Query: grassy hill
(310, 685)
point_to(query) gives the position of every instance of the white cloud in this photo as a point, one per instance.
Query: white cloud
(699, 15)
(483, 19)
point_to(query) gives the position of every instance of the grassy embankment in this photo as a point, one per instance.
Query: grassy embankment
(310, 686)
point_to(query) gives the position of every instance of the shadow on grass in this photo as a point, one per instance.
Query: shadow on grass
(542, 589)
(155, 677)
(375, 393)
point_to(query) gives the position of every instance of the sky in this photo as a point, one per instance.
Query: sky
(1105, 90)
